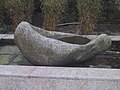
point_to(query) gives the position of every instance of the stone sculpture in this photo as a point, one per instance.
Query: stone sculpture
(42, 47)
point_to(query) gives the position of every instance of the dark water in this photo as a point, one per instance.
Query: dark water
(75, 40)
(6, 42)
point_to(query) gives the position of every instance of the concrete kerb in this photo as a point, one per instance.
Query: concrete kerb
(58, 78)
(59, 72)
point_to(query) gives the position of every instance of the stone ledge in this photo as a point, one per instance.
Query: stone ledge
(59, 72)
(15, 71)
(6, 36)
(58, 78)
(113, 38)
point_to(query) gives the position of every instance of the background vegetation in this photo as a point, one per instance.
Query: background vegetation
(19, 10)
(87, 12)
(52, 10)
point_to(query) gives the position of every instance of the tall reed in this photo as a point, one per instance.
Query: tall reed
(52, 10)
(88, 11)
(19, 10)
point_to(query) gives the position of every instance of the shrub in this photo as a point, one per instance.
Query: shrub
(2, 10)
(19, 10)
(52, 10)
(88, 12)
(4, 29)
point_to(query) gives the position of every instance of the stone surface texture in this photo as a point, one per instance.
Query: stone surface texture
(40, 48)
(58, 78)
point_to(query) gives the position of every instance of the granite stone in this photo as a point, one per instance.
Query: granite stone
(42, 47)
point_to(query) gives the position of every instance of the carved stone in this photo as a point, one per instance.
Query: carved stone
(42, 47)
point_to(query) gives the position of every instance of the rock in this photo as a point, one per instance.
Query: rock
(42, 47)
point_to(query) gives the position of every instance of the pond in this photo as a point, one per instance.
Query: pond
(10, 55)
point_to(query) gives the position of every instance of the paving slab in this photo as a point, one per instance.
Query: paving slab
(76, 73)
(58, 78)
(15, 71)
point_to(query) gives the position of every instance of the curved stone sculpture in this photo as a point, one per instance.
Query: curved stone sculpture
(42, 47)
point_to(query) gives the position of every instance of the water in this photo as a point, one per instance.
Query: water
(75, 40)
(10, 55)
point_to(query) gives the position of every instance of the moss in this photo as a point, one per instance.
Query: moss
(4, 59)
(18, 58)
